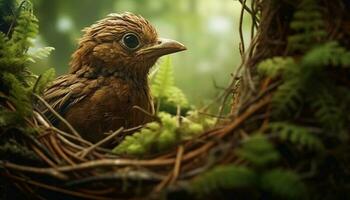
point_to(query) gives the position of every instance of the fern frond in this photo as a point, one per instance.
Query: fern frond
(40, 53)
(154, 137)
(283, 184)
(206, 121)
(43, 81)
(3, 44)
(176, 96)
(223, 177)
(164, 79)
(19, 94)
(288, 97)
(308, 25)
(13, 51)
(329, 112)
(190, 129)
(25, 31)
(296, 134)
(163, 86)
(7, 117)
(258, 151)
(330, 53)
(273, 66)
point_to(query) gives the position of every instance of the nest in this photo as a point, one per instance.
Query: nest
(64, 164)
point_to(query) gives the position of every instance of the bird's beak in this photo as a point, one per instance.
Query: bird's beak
(162, 47)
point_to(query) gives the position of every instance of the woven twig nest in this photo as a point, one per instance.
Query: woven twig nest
(75, 167)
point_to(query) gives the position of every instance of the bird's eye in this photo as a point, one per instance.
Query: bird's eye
(131, 41)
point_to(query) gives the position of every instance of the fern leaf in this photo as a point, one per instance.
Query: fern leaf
(7, 118)
(40, 53)
(25, 31)
(296, 134)
(288, 97)
(176, 96)
(154, 137)
(283, 184)
(258, 151)
(19, 95)
(330, 53)
(273, 66)
(43, 81)
(308, 25)
(329, 112)
(164, 79)
(223, 177)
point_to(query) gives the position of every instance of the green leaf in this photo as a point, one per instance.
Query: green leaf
(19, 95)
(154, 137)
(176, 96)
(283, 184)
(273, 66)
(164, 79)
(296, 134)
(163, 86)
(40, 53)
(329, 111)
(258, 151)
(43, 80)
(288, 97)
(330, 53)
(223, 177)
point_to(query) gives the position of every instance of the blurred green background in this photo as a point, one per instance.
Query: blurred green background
(208, 28)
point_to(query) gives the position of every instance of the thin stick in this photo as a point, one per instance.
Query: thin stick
(42, 156)
(70, 127)
(241, 27)
(59, 150)
(57, 189)
(81, 140)
(64, 140)
(163, 183)
(41, 119)
(106, 139)
(146, 112)
(178, 160)
(254, 108)
(68, 151)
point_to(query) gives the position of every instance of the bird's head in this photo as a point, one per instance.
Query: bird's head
(123, 43)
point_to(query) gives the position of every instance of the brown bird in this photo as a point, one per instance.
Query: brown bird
(108, 76)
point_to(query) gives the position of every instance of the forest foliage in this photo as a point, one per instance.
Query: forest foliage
(307, 118)
(307, 125)
(17, 82)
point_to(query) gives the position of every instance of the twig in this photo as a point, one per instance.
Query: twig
(129, 175)
(146, 112)
(254, 108)
(63, 139)
(57, 189)
(68, 151)
(177, 166)
(242, 49)
(42, 156)
(213, 115)
(260, 96)
(84, 152)
(162, 184)
(59, 150)
(70, 127)
(48, 171)
(79, 139)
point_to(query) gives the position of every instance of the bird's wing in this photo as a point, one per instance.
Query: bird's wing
(66, 91)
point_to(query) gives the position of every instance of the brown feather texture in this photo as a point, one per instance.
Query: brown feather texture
(108, 76)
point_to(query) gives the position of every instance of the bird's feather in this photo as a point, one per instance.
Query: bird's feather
(66, 91)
